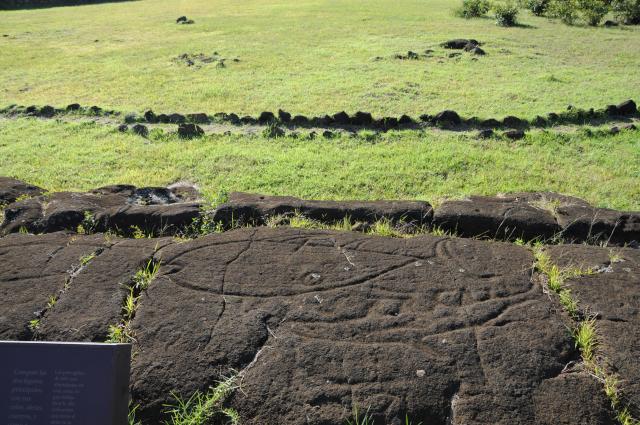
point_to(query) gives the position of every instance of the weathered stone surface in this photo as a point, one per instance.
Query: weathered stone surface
(253, 208)
(612, 294)
(96, 294)
(34, 269)
(12, 189)
(537, 215)
(112, 207)
(444, 330)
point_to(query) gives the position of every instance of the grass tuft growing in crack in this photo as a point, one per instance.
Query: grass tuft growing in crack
(122, 332)
(204, 407)
(585, 333)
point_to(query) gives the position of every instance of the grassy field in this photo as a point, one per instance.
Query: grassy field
(403, 165)
(308, 56)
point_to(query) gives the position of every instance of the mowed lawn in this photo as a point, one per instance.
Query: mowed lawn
(398, 165)
(309, 56)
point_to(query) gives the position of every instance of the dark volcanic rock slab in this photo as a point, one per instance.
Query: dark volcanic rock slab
(12, 189)
(95, 296)
(109, 208)
(536, 215)
(253, 208)
(318, 322)
(612, 294)
(33, 269)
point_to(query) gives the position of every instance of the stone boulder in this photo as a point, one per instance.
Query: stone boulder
(257, 209)
(11, 189)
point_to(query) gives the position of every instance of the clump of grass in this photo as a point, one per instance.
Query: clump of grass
(586, 340)
(204, 407)
(88, 224)
(34, 325)
(86, 259)
(145, 275)
(122, 332)
(358, 419)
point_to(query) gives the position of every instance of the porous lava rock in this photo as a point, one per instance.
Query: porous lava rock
(189, 131)
(514, 134)
(460, 43)
(341, 118)
(537, 215)
(266, 117)
(198, 118)
(254, 208)
(318, 323)
(627, 107)
(513, 122)
(120, 207)
(362, 118)
(610, 295)
(140, 130)
(447, 118)
(284, 116)
(11, 189)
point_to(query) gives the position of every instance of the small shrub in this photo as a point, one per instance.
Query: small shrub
(473, 8)
(627, 11)
(593, 10)
(506, 14)
(565, 10)
(537, 7)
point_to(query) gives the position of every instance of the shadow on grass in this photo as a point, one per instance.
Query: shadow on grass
(42, 4)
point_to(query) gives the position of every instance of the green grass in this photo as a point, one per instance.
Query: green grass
(398, 165)
(309, 56)
(202, 408)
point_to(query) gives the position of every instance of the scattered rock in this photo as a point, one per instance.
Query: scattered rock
(539, 121)
(233, 119)
(140, 130)
(198, 118)
(12, 189)
(150, 117)
(426, 118)
(176, 118)
(409, 56)
(629, 127)
(490, 123)
(163, 118)
(614, 130)
(300, 120)
(341, 118)
(476, 51)
(328, 134)
(130, 118)
(47, 111)
(123, 128)
(405, 120)
(608, 23)
(362, 119)
(96, 110)
(514, 134)
(460, 43)
(73, 107)
(189, 131)
(513, 122)
(283, 116)
(454, 55)
(266, 117)
(485, 134)
(627, 107)
(273, 131)
(248, 120)
(447, 118)
(181, 19)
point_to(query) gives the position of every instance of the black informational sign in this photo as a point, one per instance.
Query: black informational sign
(59, 383)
